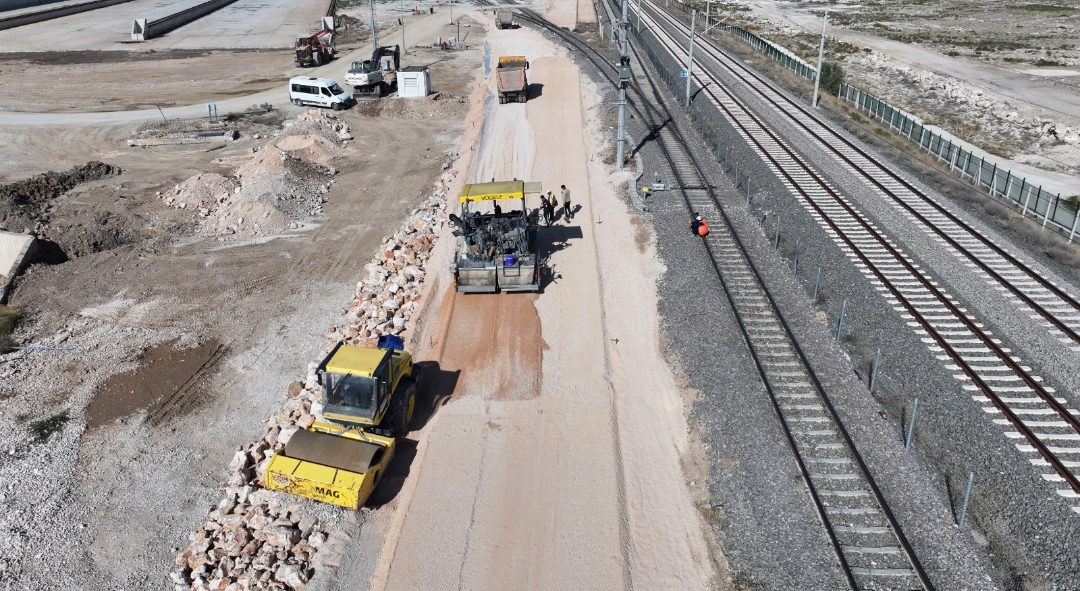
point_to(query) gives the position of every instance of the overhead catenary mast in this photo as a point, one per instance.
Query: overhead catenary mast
(374, 33)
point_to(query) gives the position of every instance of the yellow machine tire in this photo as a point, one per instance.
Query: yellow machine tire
(402, 408)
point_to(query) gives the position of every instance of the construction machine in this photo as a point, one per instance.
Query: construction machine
(512, 82)
(374, 77)
(496, 250)
(315, 50)
(370, 397)
(504, 18)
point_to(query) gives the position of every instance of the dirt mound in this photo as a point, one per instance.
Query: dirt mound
(279, 187)
(321, 123)
(203, 192)
(437, 106)
(24, 204)
(248, 219)
(309, 148)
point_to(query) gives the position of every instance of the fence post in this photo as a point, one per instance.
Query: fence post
(1046, 214)
(873, 370)
(840, 323)
(911, 424)
(817, 284)
(1027, 200)
(967, 495)
(1076, 216)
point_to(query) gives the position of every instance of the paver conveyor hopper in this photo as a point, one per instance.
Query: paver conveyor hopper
(496, 250)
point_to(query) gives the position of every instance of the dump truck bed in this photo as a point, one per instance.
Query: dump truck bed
(330, 468)
(511, 78)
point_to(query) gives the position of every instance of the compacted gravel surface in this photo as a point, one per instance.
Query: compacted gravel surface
(916, 491)
(1032, 534)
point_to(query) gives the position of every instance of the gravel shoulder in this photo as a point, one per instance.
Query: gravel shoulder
(109, 506)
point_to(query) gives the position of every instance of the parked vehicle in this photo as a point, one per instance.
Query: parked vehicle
(316, 50)
(320, 92)
(504, 18)
(512, 82)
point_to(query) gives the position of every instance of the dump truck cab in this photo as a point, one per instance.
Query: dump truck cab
(370, 388)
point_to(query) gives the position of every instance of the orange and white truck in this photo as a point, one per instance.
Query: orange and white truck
(512, 82)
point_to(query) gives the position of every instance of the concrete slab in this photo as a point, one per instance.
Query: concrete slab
(33, 6)
(243, 24)
(249, 24)
(16, 251)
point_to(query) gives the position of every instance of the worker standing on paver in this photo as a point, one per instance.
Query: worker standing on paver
(568, 211)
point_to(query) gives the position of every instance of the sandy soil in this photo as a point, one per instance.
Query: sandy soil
(48, 82)
(555, 487)
(554, 455)
(114, 502)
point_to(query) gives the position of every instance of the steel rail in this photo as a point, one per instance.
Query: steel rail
(730, 64)
(943, 300)
(647, 116)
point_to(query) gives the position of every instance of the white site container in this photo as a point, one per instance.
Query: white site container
(413, 82)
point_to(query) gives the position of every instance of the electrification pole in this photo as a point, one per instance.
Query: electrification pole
(820, 55)
(624, 79)
(374, 33)
(690, 57)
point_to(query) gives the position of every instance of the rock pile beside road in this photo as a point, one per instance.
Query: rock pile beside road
(258, 539)
(389, 294)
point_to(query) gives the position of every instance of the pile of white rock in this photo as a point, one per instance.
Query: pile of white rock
(258, 539)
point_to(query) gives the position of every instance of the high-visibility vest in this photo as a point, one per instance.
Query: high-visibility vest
(703, 228)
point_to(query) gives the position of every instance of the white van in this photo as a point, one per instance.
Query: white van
(321, 92)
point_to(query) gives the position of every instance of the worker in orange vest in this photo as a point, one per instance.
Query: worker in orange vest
(699, 226)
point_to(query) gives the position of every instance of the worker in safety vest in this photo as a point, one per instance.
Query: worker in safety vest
(698, 225)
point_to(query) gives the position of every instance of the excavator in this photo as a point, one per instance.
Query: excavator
(370, 398)
(377, 75)
(316, 50)
(496, 249)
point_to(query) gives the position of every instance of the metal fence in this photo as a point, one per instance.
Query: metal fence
(1049, 209)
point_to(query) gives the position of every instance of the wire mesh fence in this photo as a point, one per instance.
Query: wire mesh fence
(1047, 208)
(1050, 210)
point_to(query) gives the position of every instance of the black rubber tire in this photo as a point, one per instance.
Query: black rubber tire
(402, 408)
(336, 106)
(298, 102)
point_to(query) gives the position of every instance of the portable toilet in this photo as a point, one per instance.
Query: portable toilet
(414, 81)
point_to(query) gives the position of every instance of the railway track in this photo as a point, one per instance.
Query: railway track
(994, 264)
(1051, 432)
(871, 549)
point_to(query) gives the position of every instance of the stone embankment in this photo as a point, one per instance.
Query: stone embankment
(259, 539)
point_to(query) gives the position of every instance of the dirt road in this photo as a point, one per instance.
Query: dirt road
(168, 83)
(572, 480)
(1019, 83)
